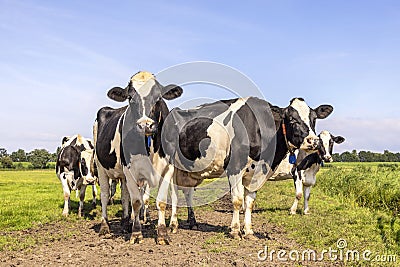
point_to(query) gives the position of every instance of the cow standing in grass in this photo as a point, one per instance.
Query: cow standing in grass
(75, 169)
(245, 138)
(124, 147)
(307, 166)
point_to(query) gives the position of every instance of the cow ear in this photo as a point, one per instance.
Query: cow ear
(118, 94)
(64, 140)
(277, 112)
(323, 111)
(171, 91)
(338, 139)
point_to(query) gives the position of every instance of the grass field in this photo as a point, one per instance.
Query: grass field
(355, 202)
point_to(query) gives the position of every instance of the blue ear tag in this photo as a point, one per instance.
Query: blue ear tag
(292, 158)
(148, 141)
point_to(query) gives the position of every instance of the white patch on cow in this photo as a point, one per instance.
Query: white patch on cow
(309, 175)
(254, 178)
(143, 83)
(142, 170)
(303, 110)
(79, 140)
(88, 156)
(221, 136)
(116, 144)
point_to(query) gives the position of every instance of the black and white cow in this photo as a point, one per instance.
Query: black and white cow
(122, 150)
(307, 166)
(244, 138)
(75, 169)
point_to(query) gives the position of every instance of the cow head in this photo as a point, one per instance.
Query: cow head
(299, 120)
(327, 141)
(146, 94)
(85, 166)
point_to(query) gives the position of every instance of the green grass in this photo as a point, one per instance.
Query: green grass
(353, 201)
(28, 199)
(356, 202)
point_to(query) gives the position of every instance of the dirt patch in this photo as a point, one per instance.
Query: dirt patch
(67, 244)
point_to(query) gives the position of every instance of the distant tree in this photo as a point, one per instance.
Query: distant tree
(349, 157)
(6, 162)
(18, 156)
(336, 157)
(3, 152)
(39, 158)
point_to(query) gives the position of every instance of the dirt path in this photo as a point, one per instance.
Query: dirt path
(208, 246)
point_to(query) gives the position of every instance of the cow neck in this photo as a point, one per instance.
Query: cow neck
(282, 147)
(149, 138)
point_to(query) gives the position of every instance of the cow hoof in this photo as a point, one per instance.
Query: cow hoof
(292, 212)
(307, 212)
(65, 214)
(162, 235)
(173, 227)
(136, 238)
(235, 235)
(165, 240)
(104, 228)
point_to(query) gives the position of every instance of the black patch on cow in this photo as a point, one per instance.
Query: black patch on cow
(227, 118)
(68, 158)
(84, 167)
(73, 143)
(185, 130)
(107, 121)
(193, 140)
(308, 161)
(264, 169)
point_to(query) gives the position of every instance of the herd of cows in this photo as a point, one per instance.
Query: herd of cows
(145, 145)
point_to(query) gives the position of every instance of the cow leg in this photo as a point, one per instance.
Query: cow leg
(249, 198)
(162, 233)
(188, 192)
(307, 194)
(82, 192)
(113, 189)
(298, 184)
(173, 224)
(125, 205)
(67, 193)
(144, 211)
(136, 201)
(237, 192)
(104, 196)
(94, 193)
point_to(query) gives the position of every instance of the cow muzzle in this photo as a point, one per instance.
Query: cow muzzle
(328, 158)
(146, 126)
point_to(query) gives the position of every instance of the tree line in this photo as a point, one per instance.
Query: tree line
(366, 156)
(37, 159)
(42, 159)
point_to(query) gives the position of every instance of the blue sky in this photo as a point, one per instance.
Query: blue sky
(59, 58)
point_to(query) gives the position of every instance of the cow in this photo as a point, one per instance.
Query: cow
(236, 138)
(121, 148)
(305, 170)
(75, 170)
(244, 138)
